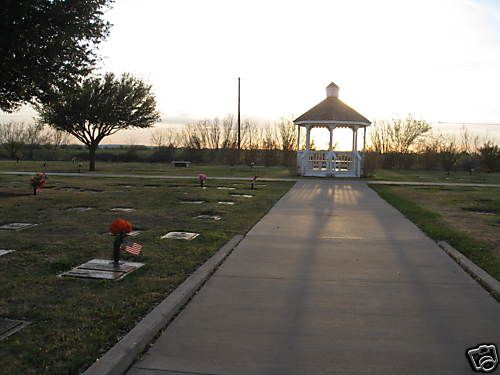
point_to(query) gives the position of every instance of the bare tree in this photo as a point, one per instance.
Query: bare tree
(229, 138)
(429, 148)
(398, 135)
(288, 140)
(12, 138)
(56, 138)
(449, 153)
(163, 138)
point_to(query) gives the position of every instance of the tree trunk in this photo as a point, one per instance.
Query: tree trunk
(92, 158)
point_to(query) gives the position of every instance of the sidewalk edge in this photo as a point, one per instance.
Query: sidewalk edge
(119, 358)
(481, 276)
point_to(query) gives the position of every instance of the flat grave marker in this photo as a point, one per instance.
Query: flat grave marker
(188, 236)
(80, 209)
(17, 226)
(67, 188)
(209, 217)
(225, 188)
(242, 195)
(122, 209)
(91, 190)
(227, 203)
(5, 252)
(104, 269)
(9, 327)
(193, 202)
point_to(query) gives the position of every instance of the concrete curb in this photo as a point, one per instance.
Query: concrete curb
(481, 276)
(119, 358)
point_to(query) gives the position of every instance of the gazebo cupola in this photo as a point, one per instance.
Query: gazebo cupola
(331, 113)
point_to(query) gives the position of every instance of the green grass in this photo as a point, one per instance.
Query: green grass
(451, 214)
(150, 168)
(436, 176)
(75, 320)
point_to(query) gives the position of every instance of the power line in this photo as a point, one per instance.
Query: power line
(468, 123)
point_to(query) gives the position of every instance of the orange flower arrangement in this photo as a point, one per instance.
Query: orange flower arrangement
(120, 226)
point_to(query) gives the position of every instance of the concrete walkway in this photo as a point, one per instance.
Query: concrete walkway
(332, 280)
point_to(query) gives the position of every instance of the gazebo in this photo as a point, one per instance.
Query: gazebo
(331, 113)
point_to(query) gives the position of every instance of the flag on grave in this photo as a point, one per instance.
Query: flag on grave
(133, 248)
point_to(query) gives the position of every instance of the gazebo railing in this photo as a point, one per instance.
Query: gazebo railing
(328, 163)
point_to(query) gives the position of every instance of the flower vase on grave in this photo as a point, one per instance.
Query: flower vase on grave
(252, 183)
(117, 244)
(119, 228)
(202, 178)
(37, 182)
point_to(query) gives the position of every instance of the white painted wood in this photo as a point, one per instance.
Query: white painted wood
(332, 92)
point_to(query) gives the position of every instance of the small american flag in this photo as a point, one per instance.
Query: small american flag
(133, 248)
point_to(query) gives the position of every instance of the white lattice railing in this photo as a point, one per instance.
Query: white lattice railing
(329, 163)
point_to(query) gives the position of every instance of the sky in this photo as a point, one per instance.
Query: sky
(438, 60)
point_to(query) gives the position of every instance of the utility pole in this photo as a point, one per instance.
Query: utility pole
(239, 122)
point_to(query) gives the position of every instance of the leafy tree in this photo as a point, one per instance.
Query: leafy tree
(100, 107)
(47, 44)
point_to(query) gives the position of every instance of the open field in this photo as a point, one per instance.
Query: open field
(436, 176)
(76, 320)
(466, 217)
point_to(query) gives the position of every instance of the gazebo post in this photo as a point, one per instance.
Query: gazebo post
(298, 138)
(364, 151)
(354, 154)
(331, 161)
(330, 144)
(305, 163)
(364, 139)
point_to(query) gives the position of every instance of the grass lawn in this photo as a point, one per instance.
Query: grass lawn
(436, 176)
(466, 217)
(75, 320)
(150, 168)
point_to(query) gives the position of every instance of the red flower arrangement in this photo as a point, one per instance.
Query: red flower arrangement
(119, 228)
(202, 178)
(37, 182)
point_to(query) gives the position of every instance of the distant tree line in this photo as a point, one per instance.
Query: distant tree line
(411, 144)
(215, 141)
(20, 141)
(401, 143)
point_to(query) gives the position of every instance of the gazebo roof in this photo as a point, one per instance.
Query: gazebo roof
(332, 111)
